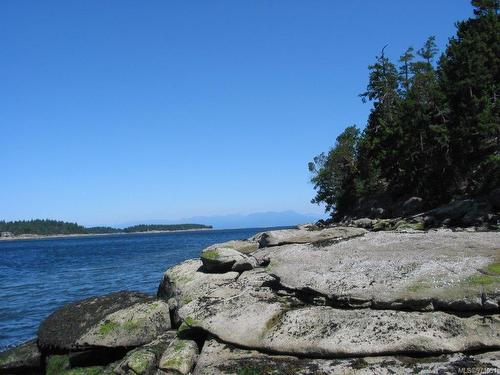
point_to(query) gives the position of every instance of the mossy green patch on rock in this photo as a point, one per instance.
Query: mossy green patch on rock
(494, 268)
(94, 370)
(181, 279)
(419, 286)
(141, 361)
(179, 357)
(249, 371)
(57, 364)
(482, 280)
(403, 224)
(190, 321)
(183, 327)
(131, 325)
(181, 344)
(172, 362)
(110, 326)
(271, 265)
(107, 327)
(383, 224)
(211, 254)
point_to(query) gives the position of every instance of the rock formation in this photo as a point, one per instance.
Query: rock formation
(342, 300)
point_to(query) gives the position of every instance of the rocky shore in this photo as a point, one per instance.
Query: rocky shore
(352, 299)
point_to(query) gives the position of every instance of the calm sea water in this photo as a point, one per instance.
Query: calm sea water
(38, 276)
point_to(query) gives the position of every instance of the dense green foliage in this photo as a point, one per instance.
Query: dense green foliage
(162, 227)
(52, 227)
(41, 227)
(102, 230)
(433, 130)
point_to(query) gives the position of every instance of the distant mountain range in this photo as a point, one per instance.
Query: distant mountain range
(254, 220)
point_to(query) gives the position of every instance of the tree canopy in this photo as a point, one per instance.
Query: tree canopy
(54, 227)
(433, 130)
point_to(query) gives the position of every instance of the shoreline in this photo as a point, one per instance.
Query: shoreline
(77, 235)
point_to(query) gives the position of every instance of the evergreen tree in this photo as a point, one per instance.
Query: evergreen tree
(433, 131)
(335, 173)
(379, 158)
(470, 74)
(404, 70)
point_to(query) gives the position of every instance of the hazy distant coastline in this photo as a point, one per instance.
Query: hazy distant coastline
(76, 235)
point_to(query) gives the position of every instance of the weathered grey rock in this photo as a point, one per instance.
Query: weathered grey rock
(246, 264)
(23, 359)
(179, 357)
(365, 223)
(407, 225)
(257, 318)
(144, 360)
(243, 246)
(441, 270)
(383, 224)
(185, 282)
(374, 294)
(412, 206)
(133, 326)
(217, 358)
(124, 319)
(301, 236)
(223, 259)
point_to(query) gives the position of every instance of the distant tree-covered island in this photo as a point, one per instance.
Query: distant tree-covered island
(48, 227)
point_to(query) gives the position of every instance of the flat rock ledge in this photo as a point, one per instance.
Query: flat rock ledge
(341, 300)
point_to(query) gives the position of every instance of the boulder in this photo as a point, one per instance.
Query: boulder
(224, 259)
(453, 211)
(301, 236)
(365, 223)
(410, 224)
(383, 224)
(218, 358)
(246, 264)
(243, 246)
(23, 359)
(185, 282)
(130, 327)
(123, 319)
(179, 357)
(144, 360)
(412, 206)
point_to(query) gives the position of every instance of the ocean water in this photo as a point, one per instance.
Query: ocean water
(38, 276)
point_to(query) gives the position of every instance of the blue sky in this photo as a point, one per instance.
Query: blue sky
(116, 111)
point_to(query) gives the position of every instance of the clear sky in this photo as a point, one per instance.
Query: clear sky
(114, 111)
